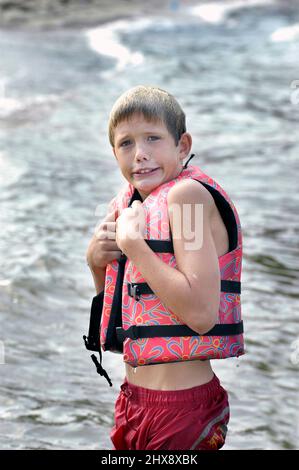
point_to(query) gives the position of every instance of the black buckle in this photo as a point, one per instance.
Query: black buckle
(134, 291)
(120, 334)
(131, 333)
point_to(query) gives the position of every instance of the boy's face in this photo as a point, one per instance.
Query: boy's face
(141, 144)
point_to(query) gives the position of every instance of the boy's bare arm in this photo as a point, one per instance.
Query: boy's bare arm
(98, 275)
(192, 291)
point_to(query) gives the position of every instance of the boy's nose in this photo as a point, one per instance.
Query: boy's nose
(141, 154)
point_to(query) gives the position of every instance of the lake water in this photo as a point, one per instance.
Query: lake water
(234, 70)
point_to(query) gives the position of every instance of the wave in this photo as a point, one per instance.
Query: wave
(287, 33)
(25, 108)
(10, 173)
(216, 12)
(7, 105)
(105, 40)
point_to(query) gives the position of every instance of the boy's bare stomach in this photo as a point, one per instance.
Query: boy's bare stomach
(173, 376)
(185, 374)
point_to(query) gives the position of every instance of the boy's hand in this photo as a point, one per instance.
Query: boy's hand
(130, 227)
(103, 248)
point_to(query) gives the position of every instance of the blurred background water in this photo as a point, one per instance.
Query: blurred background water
(232, 67)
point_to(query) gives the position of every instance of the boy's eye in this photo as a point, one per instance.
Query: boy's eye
(125, 143)
(153, 137)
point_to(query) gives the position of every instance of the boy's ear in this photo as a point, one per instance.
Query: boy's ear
(185, 144)
(114, 152)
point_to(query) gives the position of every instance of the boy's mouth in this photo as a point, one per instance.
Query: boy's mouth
(145, 172)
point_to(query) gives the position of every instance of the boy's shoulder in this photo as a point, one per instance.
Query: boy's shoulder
(190, 191)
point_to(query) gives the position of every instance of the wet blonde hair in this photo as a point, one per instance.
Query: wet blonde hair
(154, 104)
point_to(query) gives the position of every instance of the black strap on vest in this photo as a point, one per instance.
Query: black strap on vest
(92, 341)
(167, 331)
(115, 320)
(116, 309)
(136, 289)
(160, 246)
(186, 164)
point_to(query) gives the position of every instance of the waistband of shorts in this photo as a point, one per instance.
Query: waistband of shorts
(191, 396)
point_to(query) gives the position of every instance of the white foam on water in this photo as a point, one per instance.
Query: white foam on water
(105, 41)
(9, 173)
(11, 105)
(7, 105)
(287, 33)
(216, 12)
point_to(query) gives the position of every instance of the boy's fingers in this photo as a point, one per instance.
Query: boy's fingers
(111, 216)
(113, 246)
(106, 230)
(105, 234)
(109, 226)
(115, 254)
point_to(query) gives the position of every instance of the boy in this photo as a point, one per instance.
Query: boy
(176, 402)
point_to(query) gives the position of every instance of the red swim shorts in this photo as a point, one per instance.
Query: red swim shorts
(195, 418)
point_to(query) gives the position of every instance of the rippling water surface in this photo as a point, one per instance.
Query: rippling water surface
(232, 70)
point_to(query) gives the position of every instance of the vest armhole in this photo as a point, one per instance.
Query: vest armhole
(227, 215)
(135, 197)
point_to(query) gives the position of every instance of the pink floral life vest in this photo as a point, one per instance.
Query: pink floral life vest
(134, 320)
